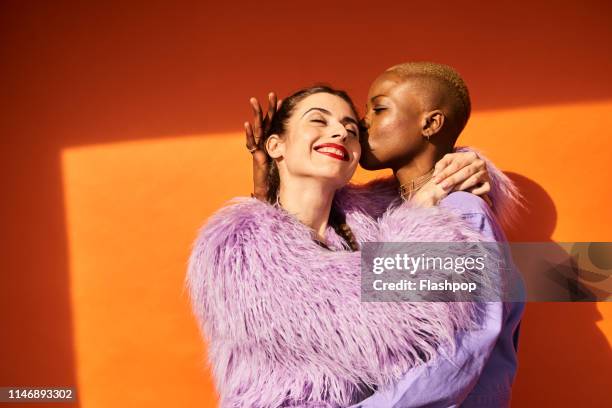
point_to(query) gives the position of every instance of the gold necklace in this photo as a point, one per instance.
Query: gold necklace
(407, 190)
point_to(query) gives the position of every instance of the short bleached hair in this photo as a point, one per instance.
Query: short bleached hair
(447, 79)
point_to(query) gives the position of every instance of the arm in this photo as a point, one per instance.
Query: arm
(280, 311)
(447, 380)
(245, 263)
(463, 170)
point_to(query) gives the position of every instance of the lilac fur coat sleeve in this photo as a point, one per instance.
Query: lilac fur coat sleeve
(283, 317)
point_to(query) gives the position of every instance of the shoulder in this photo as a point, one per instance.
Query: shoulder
(408, 222)
(240, 217)
(466, 203)
(244, 209)
(476, 212)
(372, 198)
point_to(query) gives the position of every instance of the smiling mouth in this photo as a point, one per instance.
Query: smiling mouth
(333, 150)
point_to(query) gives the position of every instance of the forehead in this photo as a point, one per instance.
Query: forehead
(392, 85)
(334, 104)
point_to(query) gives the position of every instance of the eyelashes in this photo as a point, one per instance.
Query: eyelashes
(324, 122)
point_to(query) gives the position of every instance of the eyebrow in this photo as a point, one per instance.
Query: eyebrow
(325, 111)
(377, 96)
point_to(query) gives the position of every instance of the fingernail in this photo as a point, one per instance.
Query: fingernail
(445, 185)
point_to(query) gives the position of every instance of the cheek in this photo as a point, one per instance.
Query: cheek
(296, 155)
(383, 127)
(300, 142)
(397, 128)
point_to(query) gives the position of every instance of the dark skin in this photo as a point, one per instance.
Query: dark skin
(254, 137)
(396, 119)
(410, 129)
(400, 118)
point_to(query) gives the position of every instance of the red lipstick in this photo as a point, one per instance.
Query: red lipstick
(339, 152)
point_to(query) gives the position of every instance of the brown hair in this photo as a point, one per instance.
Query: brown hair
(337, 219)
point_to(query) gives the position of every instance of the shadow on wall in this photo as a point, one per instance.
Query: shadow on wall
(564, 358)
(38, 349)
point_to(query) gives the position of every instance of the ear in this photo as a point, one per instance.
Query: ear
(433, 122)
(275, 146)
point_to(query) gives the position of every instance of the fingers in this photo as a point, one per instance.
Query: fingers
(272, 104)
(472, 181)
(453, 162)
(481, 190)
(458, 175)
(257, 120)
(480, 164)
(261, 123)
(440, 166)
(250, 139)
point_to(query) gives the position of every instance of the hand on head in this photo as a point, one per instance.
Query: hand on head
(294, 138)
(254, 137)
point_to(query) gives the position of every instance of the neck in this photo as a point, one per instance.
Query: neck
(309, 201)
(419, 165)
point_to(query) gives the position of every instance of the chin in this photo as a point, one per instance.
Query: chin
(335, 178)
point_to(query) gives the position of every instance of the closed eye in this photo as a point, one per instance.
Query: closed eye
(319, 121)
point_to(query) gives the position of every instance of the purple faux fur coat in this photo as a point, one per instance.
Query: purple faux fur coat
(283, 318)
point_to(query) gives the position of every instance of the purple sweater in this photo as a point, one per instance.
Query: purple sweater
(481, 371)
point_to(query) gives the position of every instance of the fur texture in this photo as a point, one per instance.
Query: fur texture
(283, 317)
(377, 196)
(504, 194)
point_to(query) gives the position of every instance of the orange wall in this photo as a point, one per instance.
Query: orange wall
(121, 134)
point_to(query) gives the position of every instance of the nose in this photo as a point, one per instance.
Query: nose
(339, 131)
